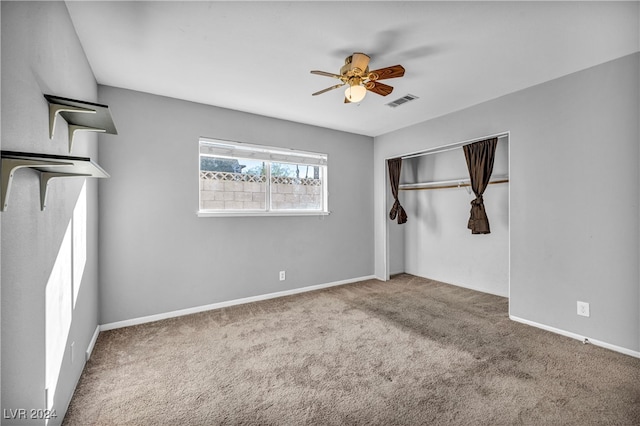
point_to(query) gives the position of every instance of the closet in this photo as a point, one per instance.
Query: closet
(435, 242)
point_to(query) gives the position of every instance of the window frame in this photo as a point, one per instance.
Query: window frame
(263, 151)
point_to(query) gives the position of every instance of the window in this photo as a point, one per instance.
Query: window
(238, 179)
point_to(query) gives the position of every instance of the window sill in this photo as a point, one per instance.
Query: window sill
(202, 213)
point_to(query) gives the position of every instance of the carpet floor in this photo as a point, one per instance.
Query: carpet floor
(409, 351)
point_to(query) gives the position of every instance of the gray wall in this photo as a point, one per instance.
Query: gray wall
(157, 256)
(41, 54)
(574, 161)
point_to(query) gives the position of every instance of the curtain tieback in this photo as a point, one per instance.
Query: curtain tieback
(395, 209)
(478, 201)
(398, 210)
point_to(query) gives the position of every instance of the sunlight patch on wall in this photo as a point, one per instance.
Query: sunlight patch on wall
(62, 292)
(58, 314)
(79, 241)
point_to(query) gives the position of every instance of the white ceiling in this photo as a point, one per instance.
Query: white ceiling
(256, 56)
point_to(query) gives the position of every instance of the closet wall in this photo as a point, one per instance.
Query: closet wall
(437, 243)
(573, 200)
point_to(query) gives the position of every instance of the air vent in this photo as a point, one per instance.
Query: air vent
(402, 100)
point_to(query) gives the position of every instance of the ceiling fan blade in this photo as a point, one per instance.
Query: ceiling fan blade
(394, 71)
(359, 60)
(379, 88)
(326, 74)
(327, 89)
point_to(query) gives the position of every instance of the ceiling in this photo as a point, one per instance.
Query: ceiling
(256, 56)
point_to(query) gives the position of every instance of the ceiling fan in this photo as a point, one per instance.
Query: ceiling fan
(356, 76)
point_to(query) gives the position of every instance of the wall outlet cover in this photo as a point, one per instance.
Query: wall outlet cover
(583, 309)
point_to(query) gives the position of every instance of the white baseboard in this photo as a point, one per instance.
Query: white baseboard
(595, 342)
(92, 343)
(196, 309)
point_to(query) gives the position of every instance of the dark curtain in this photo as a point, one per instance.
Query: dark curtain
(480, 156)
(395, 166)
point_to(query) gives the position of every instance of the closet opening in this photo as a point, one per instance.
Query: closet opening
(436, 193)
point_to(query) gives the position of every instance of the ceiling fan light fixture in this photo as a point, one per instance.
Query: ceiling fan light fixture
(355, 73)
(355, 93)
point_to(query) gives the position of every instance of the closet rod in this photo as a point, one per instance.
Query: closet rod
(453, 146)
(446, 184)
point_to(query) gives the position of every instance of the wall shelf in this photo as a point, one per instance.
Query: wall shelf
(49, 166)
(80, 116)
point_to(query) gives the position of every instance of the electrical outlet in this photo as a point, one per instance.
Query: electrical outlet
(283, 276)
(583, 309)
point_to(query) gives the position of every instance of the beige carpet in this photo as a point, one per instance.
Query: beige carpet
(405, 352)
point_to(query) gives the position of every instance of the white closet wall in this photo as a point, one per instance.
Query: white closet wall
(437, 243)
